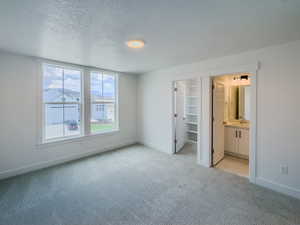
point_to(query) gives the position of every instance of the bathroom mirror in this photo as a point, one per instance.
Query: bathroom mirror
(239, 103)
(244, 102)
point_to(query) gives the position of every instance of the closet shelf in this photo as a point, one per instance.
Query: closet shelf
(192, 131)
(194, 123)
(191, 114)
(192, 141)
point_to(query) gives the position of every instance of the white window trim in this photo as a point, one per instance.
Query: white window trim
(85, 104)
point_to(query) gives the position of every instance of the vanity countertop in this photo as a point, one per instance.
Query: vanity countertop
(237, 125)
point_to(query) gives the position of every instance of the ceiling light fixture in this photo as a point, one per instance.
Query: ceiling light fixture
(241, 80)
(135, 43)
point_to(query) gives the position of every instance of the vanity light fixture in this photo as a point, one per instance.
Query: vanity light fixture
(241, 80)
(244, 77)
(135, 43)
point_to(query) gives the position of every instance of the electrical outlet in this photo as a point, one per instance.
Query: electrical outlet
(284, 169)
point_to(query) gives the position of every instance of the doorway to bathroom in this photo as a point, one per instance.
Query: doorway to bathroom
(231, 123)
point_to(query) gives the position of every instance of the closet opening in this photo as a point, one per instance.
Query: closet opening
(231, 123)
(186, 108)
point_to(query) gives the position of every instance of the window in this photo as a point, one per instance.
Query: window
(62, 102)
(63, 106)
(103, 102)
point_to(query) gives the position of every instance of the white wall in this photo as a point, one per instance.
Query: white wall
(278, 110)
(19, 151)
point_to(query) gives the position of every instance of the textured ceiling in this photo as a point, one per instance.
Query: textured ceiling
(93, 32)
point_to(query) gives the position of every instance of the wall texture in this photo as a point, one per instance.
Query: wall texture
(19, 149)
(278, 110)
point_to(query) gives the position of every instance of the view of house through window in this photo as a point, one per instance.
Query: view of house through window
(62, 102)
(103, 102)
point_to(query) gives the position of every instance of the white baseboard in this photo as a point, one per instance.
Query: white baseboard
(278, 187)
(45, 164)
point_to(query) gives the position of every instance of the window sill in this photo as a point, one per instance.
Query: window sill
(103, 133)
(74, 139)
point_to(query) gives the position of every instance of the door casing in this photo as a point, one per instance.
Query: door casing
(206, 118)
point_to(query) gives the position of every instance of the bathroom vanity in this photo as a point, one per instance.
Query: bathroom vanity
(237, 139)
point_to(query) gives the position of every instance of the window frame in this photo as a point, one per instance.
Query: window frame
(116, 101)
(43, 104)
(85, 103)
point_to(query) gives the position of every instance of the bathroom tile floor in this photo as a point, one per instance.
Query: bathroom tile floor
(234, 165)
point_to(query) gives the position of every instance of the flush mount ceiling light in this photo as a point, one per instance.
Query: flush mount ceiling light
(135, 43)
